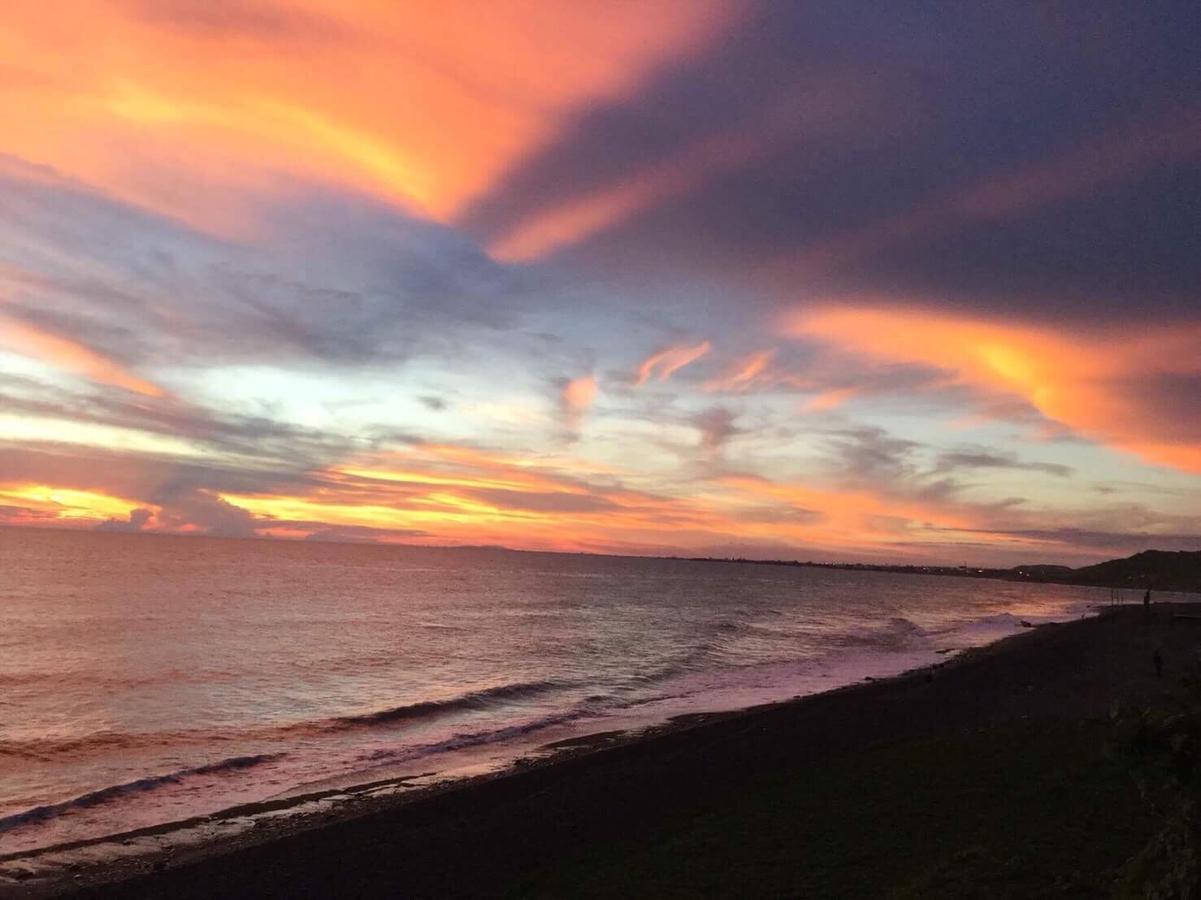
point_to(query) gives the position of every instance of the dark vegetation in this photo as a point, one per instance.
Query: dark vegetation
(1161, 748)
(1163, 570)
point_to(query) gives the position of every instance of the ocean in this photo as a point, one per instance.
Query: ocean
(147, 679)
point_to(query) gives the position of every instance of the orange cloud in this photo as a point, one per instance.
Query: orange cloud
(1100, 383)
(458, 494)
(470, 495)
(449, 494)
(72, 357)
(425, 104)
(665, 363)
(820, 109)
(744, 373)
(578, 395)
(450, 464)
(577, 219)
(828, 400)
(62, 505)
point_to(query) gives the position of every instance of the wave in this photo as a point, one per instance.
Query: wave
(141, 785)
(481, 699)
(465, 739)
(898, 633)
(49, 748)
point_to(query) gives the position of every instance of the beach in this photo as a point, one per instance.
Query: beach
(1018, 727)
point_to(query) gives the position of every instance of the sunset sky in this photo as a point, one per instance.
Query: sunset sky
(913, 282)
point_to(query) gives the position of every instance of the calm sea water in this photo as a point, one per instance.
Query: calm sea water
(145, 679)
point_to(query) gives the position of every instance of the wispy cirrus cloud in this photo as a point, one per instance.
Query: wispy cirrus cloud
(744, 373)
(662, 364)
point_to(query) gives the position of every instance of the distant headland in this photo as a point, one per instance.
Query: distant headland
(1164, 570)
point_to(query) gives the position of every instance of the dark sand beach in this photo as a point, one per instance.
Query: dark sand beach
(991, 775)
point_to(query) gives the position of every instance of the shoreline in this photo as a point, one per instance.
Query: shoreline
(834, 671)
(354, 801)
(275, 825)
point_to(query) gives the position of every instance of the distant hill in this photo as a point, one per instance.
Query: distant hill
(1164, 570)
(1045, 573)
(1160, 570)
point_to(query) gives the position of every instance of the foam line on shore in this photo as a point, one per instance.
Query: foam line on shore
(149, 783)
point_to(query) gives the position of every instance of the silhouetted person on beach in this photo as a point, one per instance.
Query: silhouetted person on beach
(1158, 664)
(1147, 599)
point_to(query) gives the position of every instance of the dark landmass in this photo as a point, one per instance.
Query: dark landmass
(993, 774)
(1162, 570)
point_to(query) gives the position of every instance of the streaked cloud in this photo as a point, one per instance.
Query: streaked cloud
(428, 109)
(1128, 390)
(578, 219)
(983, 458)
(744, 374)
(665, 363)
(71, 356)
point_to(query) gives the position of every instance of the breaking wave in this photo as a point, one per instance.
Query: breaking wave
(481, 699)
(466, 739)
(142, 785)
(115, 740)
(897, 634)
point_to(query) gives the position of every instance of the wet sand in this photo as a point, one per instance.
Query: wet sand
(497, 835)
